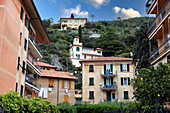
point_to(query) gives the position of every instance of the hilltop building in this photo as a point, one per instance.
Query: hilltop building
(107, 79)
(56, 86)
(20, 29)
(72, 22)
(159, 29)
(78, 52)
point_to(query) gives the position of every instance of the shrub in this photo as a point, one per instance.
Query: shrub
(67, 108)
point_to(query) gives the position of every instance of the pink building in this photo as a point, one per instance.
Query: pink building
(20, 29)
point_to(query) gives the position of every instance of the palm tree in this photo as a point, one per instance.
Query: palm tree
(92, 16)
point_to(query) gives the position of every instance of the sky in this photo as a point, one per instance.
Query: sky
(101, 9)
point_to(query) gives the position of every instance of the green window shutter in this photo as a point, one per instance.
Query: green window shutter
(111, 80)
(25, 44)
(22, 13)
(104, 68)
(91, 68)
(111, 66)
(128, 80)
(113, 95)
(77, 49)
(128, 67)
(29, 22)
(18, 63)
(91, 94)
(120, 67)
(21, 90)
(91, 81)
(23, 67)
(126, 95)
(16, 87)
(121, 80)
(26, 19)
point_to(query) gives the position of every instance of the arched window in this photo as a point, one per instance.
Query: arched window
(77, 49)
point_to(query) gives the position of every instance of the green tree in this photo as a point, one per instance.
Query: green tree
(141, 50)
(153, 84)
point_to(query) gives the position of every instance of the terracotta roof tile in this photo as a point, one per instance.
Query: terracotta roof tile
(108, 59)
(42, 64)
(57, 74)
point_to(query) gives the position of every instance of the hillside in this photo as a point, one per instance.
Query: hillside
(117, 39)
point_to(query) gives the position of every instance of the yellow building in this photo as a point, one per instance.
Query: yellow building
(159, 29)
(107, 79)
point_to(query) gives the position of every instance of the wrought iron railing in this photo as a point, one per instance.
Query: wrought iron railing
(33, 61)
(160, 16)
(30, 79)
(113, 86)
(165, 46)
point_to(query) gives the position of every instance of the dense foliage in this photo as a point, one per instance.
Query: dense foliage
(78, 85)
(153, 85)
(15, 103)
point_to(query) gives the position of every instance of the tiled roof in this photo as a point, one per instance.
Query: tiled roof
(57, 74)
(108, 59)
(42, 64)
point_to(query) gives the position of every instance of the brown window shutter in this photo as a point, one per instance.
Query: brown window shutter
(62, 83)
(52, 82)
(70, 84)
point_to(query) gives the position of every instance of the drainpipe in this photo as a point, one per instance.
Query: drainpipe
(58, 92)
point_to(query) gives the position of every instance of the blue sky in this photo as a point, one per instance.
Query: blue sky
(101, 9)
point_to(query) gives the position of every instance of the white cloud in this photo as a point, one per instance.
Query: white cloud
(53, 1)
(76, 11)
(126, 13)
(96, 3)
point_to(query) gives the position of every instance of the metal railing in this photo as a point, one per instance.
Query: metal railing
(30, 79)
(148, 4)
(155, 54)
(32, 60)
(154, 109)
(161, 15)
(33, 41)
(114, 72)
(107, 87)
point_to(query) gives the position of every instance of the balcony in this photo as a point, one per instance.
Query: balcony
(31, 82)
(160, 51)
(111, 74)
(33, 47)
(33, 64)
(159, 18)
(109, 87)
(148, 4)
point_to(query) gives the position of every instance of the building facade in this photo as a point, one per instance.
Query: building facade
(57, 87)
(20, 29)
(107, 79)
(159, 29)
(72, 22)
(78, 52)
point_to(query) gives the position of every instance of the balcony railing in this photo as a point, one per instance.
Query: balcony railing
(109, 87)
(161, 15)
(148, 4)
(33, 41)
(29, 79)
(111, 74)
(32, 60)
(164, 47)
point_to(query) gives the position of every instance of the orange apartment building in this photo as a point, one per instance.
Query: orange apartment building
(159, 29)
(20, 29)
(56, 86)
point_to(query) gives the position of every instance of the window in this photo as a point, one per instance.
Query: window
(91, 68)
(124, 67)
(91, 57)
(99, 52)
(21, 91)
(20, 39)
(66, 84)
(108, 67)
(78, 56)
(22, 13)
(113, 95)
(70, 21)
(125, 80)
(26, 20)
(126, 96)
(16, 87)
(23, 67)
(43, 68)
(77, 49)
(25, 44)
(91, 81)
(91, 94)
(48, 68)
(84, 56)
(51, 82)
(29, 22)
(108, 81)
(18, 63)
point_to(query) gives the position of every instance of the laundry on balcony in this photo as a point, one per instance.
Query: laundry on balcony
(107, 73)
